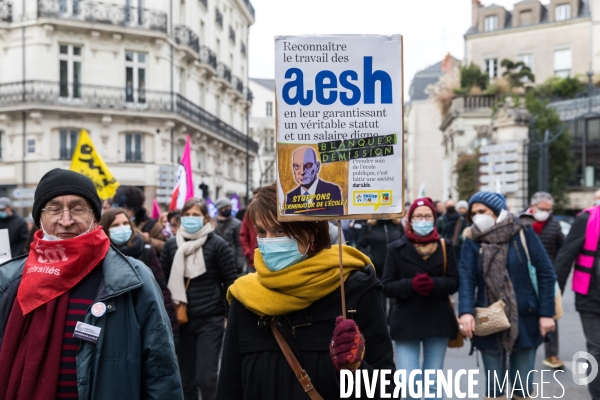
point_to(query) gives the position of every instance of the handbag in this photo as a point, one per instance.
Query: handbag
(558, 309)
(458, 341)
(181, 308)
(491, 319)
(300, 373)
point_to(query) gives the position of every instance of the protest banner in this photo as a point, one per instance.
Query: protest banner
(339, 102)
(5, 253)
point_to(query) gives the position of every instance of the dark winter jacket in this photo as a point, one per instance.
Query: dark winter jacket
(153, 228)
(473, 293)
(564, 262)
(206, 293)
(416, 316)
(254, 368)
(230, 231)
(17, 234)
(551, 235)
(146, 254)
(135, 355)
(374, 239)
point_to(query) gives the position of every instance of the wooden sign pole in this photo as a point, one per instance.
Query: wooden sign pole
(339, 224)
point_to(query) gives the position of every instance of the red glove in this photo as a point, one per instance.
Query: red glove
(347, 346)
(422, 284)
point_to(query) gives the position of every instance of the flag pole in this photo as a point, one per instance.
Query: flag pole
(339, 224)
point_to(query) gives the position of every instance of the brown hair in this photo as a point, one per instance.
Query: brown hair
(108, 217)
(264, 207)
(201, 205)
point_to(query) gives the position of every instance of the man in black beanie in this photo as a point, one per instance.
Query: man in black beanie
(77, 318)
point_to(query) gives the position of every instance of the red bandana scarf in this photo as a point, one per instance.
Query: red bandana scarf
(54, 267)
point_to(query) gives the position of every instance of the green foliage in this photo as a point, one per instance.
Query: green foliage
(556, 86)
(471, 75)
(517, 73)
(467, 171)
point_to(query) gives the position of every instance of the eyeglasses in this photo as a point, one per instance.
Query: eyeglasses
(419, 217)
(78, 213)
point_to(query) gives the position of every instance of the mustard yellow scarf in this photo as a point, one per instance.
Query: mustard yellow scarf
(297, 287)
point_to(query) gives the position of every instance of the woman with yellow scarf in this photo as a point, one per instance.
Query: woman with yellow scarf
(295, 297)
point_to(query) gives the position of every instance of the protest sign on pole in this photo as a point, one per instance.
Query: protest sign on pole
(339, 102)
(5, 254)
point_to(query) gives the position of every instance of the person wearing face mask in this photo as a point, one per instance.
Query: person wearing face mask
(200, 267)
(128, 240)
(462, 207)
(539, 217)
(581, 253)
(494, 266)
(451, 226)
(229, 229)
(17, 228)
(420, 273)
(78, 319)
(295, 293)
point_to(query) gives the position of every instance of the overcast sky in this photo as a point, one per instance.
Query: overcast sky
(431, 28)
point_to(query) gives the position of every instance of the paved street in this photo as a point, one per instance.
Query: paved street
(571, 341)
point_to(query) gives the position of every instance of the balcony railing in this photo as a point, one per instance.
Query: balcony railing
(207, 56)
(250, 8)
(237, 84)
(218, 17)
(6, 11)
(223, 72)
(82, 10)
(118, 98)
(248, 94)
(231, 34)
(187, 37)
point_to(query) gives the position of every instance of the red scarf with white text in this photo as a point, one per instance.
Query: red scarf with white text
(54, 267)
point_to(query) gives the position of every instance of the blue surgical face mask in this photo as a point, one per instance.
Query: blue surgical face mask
(119, 235)
(192, 224)
(422, 228)
(3, 214)
(279, 253)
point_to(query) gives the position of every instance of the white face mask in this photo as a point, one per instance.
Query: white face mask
(484, 222)
(53, 238)
(541, 216)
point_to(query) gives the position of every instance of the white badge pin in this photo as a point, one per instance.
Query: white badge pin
(98, 309)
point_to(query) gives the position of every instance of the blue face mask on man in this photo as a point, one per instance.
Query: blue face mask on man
(422, 228)
(192, 224)
(280, 253)
(119, 235)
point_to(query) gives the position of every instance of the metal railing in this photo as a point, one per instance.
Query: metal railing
(207, 56)
(237, 84)
(223, 72)
(187, 37)
(218, 17)
(248, 94)
(6, 11)
(86, 11)
(117, 98)
(231, 34)
(474, 102)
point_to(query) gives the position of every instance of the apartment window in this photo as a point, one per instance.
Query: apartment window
(527, 59)
(68, 141)
(70, 71)
(69, 7)
(526, 17)
(269, 140)
(562, 12)
(31, 146)
(562, 63)
(269, 109)
(133, 147)
(135, 77)
(491, 23)
(491, 67)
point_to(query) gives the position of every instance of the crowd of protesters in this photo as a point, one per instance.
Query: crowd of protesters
(188, 305)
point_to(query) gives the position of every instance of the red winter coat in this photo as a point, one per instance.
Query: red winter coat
(248, 241)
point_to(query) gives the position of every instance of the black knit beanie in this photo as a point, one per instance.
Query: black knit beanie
(61, 182)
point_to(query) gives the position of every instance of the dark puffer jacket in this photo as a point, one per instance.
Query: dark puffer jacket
(206, 293)
(551, 235)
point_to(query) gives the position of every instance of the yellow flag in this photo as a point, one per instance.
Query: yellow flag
(88, 162)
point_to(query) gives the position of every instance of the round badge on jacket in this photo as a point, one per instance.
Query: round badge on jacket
(98, 309)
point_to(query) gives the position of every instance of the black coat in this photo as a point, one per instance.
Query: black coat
(415, 316)
(17, 234)
(564, 262)
(551, 235)
(375, 240)
(254, 368)
(206, 293)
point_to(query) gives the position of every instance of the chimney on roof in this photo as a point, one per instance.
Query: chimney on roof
(475, 6)
(447, 64)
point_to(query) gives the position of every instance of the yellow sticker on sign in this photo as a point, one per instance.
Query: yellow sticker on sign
(371, 198)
